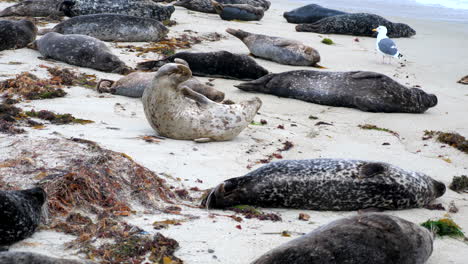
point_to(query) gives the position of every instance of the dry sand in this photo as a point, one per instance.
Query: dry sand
(436, 59)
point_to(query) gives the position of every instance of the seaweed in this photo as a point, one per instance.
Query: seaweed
(327, 41)
(30, 87)
(71, 78)
(459, 184)
(452, 139)
(443, 227)
(57, 119)
(287, 145)
(374, 127)
(250, 212)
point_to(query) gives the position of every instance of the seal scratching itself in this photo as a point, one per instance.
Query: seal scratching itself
(242, 12)
(310, 14)
(21, 214)
(366, 91)
(281, 50)
(16, 34)
(178, 112)
(327, 184)
(368, 238)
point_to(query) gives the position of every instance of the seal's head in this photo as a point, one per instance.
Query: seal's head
(36, 195)
(224, 195)
(113, 63)
(175, 72)
(67, 7)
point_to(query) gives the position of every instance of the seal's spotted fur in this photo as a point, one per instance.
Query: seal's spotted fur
(328, 184)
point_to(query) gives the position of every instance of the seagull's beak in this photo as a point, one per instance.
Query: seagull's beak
(374, 29)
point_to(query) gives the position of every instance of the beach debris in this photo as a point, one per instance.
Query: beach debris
(165, 223)
(459, 184)
(69, 77)
(438, 207)
(452, 139)
(374, 127)
(313, 117)
(9, 116)
(464, 80)
(321, 123)
(327, 41)
(444, 227)
(304, 217)
(453, 208)
(151, 138)
(56, 119)
(287, 145)
(250, 212)
(280, 126)
(286, 233)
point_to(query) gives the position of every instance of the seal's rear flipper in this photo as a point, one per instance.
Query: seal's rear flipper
(366, 75)
(217, 7)
(105, 86)
(256, 85)
(240, 34)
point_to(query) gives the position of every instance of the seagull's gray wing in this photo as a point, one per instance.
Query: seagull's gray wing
(388, 47)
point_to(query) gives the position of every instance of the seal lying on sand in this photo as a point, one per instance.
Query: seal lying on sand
(178, 112)
(359, 24)
(222, 64)
(21, 214)
(310, 14)
(16, 34)
(80, 50)
(242, 12)
(113, 27)
(281, 50)
(16, 257)
(138, 8)
(367, 91)
(327, 184)
(205, 6)
(368, 238)
(33, 8)
(134, 84)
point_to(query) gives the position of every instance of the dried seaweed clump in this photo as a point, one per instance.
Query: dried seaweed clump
(453, 139)
(459, 184)
(30, 87)
(9, 114)
(57, 119)
(250, 212)
(374, 127)
(443, 227)
(71, 78)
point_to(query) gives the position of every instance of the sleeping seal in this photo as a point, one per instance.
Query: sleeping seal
(17, 257)
(359, 24)
(327, 184)
(176, 111)
(33, 8)
(138, 8)
(80, 50)
(113, 27)
(310, 14)
(21, 214)
(281, 50)
(242, 12)
(367, 91)
(205, 6)
(16, 34)
(368, 238)
(222, 64)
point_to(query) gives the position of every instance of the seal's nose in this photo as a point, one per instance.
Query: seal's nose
(439, 188)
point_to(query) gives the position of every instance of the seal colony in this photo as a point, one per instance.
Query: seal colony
(327, 184)
(366, 91)
(368, 238)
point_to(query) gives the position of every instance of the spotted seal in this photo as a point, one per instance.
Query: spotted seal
(33, 8)
(21, 214)
(206, 6)
(178, 112)
(368, 238)
(281, 50)
(310, 14)
(242, 12)
(138, 8)
(359, 24)
(18, 257)
(16, 34)
(367, 91)
(80, 50)
(221, 64)
(112, 27)
(327, 184)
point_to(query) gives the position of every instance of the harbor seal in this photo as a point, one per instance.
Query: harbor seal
(18, 257)
(327, 184)
(359, 24)
(21, 214)
(367, 91)
(222, 64)
(113, 27)
(242, 12)
(138, 8)
(80, 50)
(206, 6)
(368, 238)
(33, 8)
(16, 34)
(310, 14)
(178, 112)
(281, 50)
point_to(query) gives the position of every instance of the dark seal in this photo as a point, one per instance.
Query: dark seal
(310, 14)
(359, 24)
(80, 50)
(206, 6)
(113, 27)
(221, 64)
(241, 12)
(17, 257)
(16, 34)
(327, 184)
(368, 238)
(21, 214)
(367, 91)
(138, 8)
(33, 8)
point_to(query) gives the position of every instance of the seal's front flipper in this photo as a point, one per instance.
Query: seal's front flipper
(202, 140)
(366, 75)
(375, 222)
(181, 61)
(372, 169)
(199, 98)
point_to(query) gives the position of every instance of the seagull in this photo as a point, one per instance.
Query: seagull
(385, 45)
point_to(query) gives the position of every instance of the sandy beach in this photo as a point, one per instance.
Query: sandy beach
(434, 59)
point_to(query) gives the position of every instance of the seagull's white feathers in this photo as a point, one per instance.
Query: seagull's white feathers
(385, 45)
